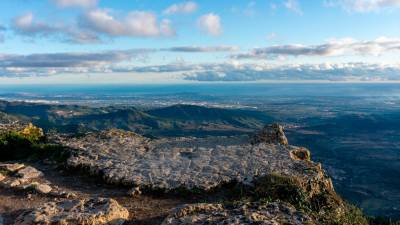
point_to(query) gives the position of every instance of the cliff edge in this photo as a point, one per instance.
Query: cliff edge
(260, 179)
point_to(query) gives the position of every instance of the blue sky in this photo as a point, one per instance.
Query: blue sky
(142, 41)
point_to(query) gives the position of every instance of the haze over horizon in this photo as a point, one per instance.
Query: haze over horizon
(98, 41)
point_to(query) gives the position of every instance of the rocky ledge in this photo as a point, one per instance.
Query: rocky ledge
(192, 163)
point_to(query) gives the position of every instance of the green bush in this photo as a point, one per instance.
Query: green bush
(29, 142)
(278, 187)
(14, 145)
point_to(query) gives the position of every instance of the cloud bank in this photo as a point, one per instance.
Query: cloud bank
(333, 48)
(327, 72)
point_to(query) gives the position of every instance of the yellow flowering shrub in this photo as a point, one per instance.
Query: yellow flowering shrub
(32, 133)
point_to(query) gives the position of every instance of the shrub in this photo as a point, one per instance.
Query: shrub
(278, 187)
(14, 145)
(26, 143)
(33, 133)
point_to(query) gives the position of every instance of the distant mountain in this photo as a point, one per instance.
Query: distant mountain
(237, 117)
(177, 120)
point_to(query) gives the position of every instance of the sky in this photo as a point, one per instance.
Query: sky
(173, 41)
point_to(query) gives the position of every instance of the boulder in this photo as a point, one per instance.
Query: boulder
(29, 173)
(40, 188)
(96, 211)
(271, 134)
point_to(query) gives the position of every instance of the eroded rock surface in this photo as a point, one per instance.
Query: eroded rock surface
(167, 164)
(97, 211)
(274, 213)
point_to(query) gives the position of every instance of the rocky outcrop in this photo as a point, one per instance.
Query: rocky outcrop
(191, 163)
(270, 134)
(99, 211)
(273, 213)
(278, 183)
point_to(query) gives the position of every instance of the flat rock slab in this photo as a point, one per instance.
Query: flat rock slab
(166, 164)
(274, 213)
(97, 211)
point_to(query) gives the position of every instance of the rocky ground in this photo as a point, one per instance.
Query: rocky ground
(118, 177)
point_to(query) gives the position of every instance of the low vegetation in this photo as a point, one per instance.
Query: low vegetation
(30, 142)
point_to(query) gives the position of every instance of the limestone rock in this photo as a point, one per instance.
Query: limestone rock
(270, 134)
(273, 213)
(2, 177)
(97, 211)
(29, 173)
(167, 164)
(11, 167)
(41, 188)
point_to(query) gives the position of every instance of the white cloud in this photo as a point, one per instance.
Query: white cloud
(181, 8)
(334, 47)
(27, 25)
(76, 3)
(364, 5)
(135, 24)
(211, 24)
(293, 5)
